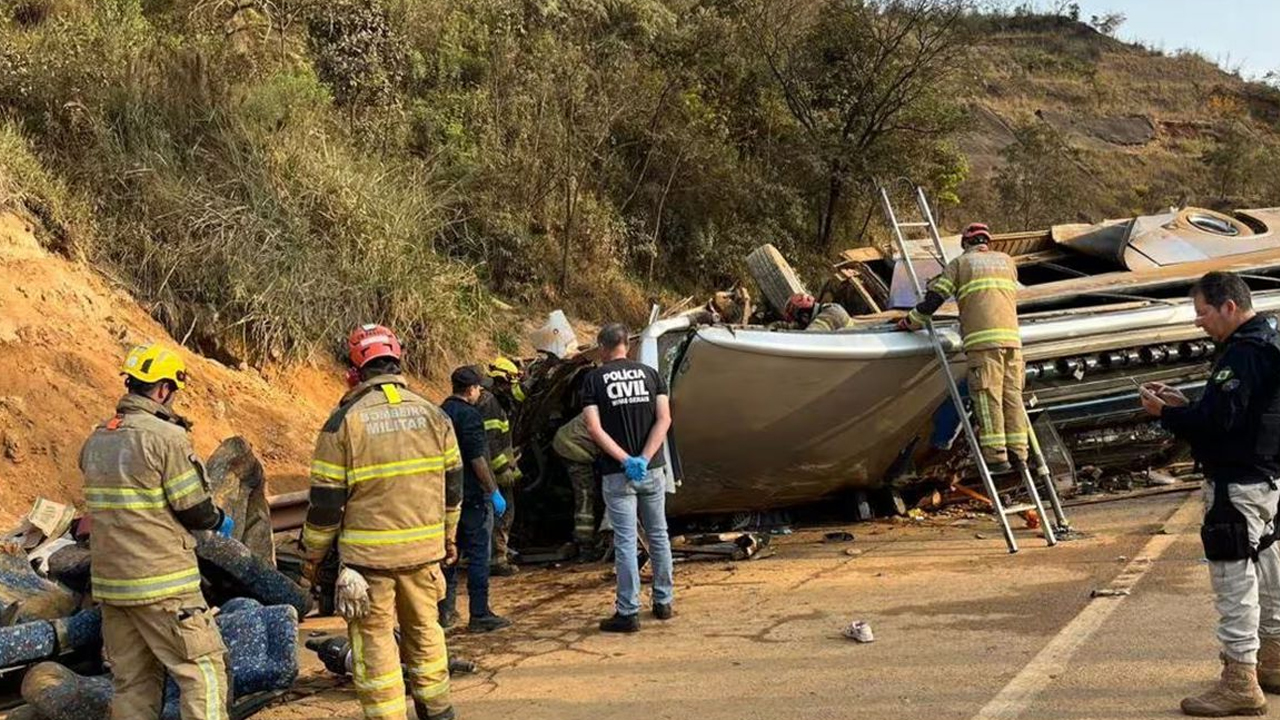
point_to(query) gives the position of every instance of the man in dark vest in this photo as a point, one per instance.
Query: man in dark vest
(1234, 432)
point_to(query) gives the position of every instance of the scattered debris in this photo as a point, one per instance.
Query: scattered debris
(334, 652)
(853, 552)
(1109, 592)
(734, 546)
(837, 537)
(859, 631)
(262, 658)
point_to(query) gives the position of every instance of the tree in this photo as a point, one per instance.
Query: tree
(1107, 23)
(1042, 181)
(866, 80)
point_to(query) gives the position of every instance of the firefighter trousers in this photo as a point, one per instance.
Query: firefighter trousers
(177, 636)
(502, 526)
(996, 378)
(407, 598)
(1247, 593)
(583, 479)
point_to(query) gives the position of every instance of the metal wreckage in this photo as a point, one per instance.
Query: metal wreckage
(768, 418)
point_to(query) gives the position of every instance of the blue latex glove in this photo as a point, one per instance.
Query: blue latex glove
(499, 503)
(635, 468)
(227, 525)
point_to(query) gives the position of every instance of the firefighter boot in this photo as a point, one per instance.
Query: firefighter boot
(1237, 693)
(420, 709)
(1269, 664)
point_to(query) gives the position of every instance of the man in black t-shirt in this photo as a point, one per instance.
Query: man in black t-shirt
(628, 415)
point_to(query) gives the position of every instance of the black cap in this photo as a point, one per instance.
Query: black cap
(466, 375)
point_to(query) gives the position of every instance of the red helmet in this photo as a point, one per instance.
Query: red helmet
(975, 234)
(372, 341)
(796, 303)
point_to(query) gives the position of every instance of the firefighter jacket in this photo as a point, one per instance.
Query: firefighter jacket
(1234, 428)
(829, 317)
(145, 490)
(573, 441)
(985, 285)
(386, 480)
(497, 430)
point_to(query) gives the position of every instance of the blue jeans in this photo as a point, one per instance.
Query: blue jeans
(624, 500)
(474, 530)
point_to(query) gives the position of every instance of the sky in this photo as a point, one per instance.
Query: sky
(1237, 34)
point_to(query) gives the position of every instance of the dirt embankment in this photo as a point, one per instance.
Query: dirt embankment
(63, 332)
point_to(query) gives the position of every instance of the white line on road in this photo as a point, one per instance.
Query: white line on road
(1017, 696)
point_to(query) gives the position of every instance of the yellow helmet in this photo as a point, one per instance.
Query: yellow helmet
(504, 368)
(153, 363)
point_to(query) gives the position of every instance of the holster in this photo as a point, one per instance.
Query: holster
(1225, 533)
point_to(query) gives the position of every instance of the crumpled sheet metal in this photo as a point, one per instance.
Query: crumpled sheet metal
(263, 658)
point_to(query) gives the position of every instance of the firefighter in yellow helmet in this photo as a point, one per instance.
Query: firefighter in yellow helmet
(386, 485)
(146, 493)
(985, 285)
(497, 405)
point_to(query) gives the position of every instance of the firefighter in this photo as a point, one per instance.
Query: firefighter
(573, 444)
(1234, 433)
(985, 284)
(146, 493)
(805, 313)
(386, 485)
(498, 398)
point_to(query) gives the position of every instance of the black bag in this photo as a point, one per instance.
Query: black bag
(1225, 533)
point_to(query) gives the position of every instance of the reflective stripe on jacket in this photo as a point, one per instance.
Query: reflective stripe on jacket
(830, 317)
(139, 469)
(386, 479)
(985, 285)
(497, 429)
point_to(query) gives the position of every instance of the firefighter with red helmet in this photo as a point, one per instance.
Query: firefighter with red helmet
(985, 285)
(805, 313)
(386, 486)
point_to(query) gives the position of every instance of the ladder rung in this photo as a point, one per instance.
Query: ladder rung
(1015, 509)
(913, 224)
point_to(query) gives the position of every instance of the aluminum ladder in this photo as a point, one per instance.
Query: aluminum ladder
(1042, 467)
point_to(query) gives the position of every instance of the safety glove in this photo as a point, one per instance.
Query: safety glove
(499, 503)
(636, 468)
(351, 595)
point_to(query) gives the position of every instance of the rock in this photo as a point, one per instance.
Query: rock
(14, 451)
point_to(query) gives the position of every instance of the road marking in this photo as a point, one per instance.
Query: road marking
(1014, 699)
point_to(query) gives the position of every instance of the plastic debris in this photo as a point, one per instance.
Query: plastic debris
(859, 631)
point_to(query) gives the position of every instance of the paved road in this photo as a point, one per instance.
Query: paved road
(963, 630)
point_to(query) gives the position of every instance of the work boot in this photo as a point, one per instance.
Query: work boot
(1269, 665)
(1237, 693)
(663, 611)
(620, 623)
(448, 618)
(425, 714)
(505, 569)
(487, 623)
(999, 468)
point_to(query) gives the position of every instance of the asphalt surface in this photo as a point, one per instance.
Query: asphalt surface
(963, 630)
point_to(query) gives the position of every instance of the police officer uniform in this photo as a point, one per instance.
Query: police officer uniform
(1234, 432)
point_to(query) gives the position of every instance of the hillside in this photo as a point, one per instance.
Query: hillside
(1114, 128)
(251, 179)
(63, 332)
